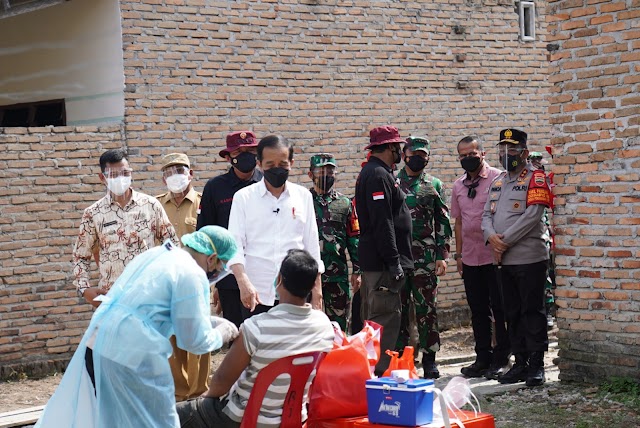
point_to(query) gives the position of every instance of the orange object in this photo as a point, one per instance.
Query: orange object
(336, 423)
(406, 362)
(469, 419)
(339, 390)
(299, 368)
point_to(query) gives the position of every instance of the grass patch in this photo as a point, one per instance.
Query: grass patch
(622, 389)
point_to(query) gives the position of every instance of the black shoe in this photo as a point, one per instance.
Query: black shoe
(535, 376)
(429, 366)
(495, 371)
(535, 373)
(518, 373)
(475, 370)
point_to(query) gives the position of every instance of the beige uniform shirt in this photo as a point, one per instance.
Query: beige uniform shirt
(184, 216)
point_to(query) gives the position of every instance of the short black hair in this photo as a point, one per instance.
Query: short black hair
(471, 139)
(381, 148)
(274, 141)
(299, 271)
(111, 156)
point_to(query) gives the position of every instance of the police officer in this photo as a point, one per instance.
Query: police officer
(430, 248)
(338, 230)
(385, 237)
(512, 225)
(240, 152)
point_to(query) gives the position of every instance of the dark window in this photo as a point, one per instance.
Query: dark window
(16, 7)
(43, 113)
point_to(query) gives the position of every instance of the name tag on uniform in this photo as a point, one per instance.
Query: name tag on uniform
(111, 223)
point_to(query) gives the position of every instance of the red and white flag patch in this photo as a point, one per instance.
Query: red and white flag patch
(377, 196)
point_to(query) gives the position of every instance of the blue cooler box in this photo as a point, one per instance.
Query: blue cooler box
(407, 404)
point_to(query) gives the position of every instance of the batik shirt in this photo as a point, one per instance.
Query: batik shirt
(119, 234)
(338, 230)
(430, 217)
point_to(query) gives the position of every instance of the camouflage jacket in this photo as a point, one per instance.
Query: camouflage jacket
(338, 230)
(430, 215)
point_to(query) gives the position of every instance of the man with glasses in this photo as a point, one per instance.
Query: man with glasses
(338, 229)
(190, 371)
(430, 248)
(512, 225)
(475, 261)
(116, 228)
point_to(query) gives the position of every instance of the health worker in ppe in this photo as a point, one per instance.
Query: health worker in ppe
(120, 376)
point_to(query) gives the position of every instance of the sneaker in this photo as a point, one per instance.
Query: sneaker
(474, 370)
(496, 370)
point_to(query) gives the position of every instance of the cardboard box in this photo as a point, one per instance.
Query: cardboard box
(400, 404)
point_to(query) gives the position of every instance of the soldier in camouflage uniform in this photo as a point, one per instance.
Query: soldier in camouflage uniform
(430, 248)
(338, 230)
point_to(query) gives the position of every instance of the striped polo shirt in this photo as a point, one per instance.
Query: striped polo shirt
(283, 331)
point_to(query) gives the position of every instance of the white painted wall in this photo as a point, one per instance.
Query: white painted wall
(73, 51)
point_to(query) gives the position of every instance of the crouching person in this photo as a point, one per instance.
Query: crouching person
(120, 376)
(292, 327)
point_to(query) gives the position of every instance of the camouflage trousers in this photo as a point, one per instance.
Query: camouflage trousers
(337, 296)
(422, 290)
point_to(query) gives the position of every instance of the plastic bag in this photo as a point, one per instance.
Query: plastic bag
(338, 390)
(406, 362)
(454, 396)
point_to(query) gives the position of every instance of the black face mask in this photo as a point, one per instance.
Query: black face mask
(470, 164)
(276, 176)
(324, 183)
(245, 162)
(511, 162)
(416, 163)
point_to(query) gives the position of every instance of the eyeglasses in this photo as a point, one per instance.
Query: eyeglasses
(115, 173)
(510, 151)
(176, 169)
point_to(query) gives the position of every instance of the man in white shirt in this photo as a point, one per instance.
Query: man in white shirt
(268, 219)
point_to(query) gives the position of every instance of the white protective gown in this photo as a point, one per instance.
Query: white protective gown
(160, 293)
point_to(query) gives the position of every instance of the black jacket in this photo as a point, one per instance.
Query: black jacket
(215, 206)
(385, 220)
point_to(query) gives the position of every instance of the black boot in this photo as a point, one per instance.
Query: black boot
(517, 373)
(477, 369)
(429, 366)
(535, 373)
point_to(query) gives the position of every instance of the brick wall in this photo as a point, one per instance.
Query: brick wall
(49, 176)
(320, 74)
(595, 116)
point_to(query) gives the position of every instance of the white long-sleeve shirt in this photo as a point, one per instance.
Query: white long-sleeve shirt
(266, 227)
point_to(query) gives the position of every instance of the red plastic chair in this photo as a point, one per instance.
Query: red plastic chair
(299, 367)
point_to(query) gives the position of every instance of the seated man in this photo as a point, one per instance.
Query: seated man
(290, 328)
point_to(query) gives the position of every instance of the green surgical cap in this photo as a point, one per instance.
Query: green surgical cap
(210, 240)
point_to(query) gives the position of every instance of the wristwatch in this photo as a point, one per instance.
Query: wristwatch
(457, 256)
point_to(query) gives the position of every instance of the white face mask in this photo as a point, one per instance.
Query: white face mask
(178, 183)
(119, 185)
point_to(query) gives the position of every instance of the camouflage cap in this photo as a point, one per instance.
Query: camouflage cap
(418, 143)
(323, 159)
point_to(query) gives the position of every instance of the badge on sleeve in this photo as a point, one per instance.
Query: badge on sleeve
(539, 192)
(377, 196)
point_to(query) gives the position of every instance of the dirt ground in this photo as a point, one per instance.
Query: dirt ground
(554, 405)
